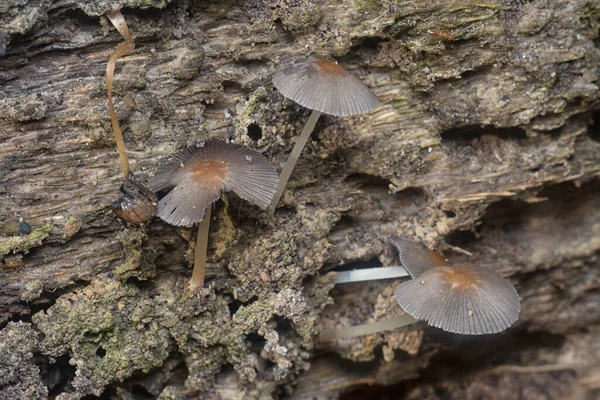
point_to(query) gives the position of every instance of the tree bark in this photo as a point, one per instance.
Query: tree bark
(486, 146)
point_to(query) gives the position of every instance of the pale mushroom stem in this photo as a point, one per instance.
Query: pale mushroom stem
(371, 274)
(197, 280)
(293, 158)
(367, 329)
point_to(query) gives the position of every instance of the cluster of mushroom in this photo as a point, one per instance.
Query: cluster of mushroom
(197, 175)
(462, 299)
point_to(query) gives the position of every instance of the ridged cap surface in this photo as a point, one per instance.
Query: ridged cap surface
(198, 175)
(461, 299)
(322, 85)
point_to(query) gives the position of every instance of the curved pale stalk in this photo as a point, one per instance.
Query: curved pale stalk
(367, 329)
(370, 274)
(286, 172)
(199, 271)
(116, 18)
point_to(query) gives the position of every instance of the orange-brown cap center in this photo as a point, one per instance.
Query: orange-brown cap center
(328, 67)
(210, 172)
(460, 279)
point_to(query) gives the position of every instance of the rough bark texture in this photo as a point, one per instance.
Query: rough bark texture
(487, 142)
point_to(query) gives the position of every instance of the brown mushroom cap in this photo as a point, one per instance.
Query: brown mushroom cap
(324, 86)
(463, 299)
(415, 257)
(135, 204)
(198, 174)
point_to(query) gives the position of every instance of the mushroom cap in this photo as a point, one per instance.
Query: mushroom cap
(415, 257)
(463, 299)
(198, 175)
(324, 86)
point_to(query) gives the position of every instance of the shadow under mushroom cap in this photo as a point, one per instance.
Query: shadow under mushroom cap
(198, 175)
(322, 85)
(462, 299)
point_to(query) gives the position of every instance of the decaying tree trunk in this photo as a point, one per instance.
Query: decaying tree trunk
(486, 146)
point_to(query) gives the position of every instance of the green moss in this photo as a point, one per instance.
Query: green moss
(364, 6)
(110, 330)
(132, 240)
(24, 243)
(255, 99)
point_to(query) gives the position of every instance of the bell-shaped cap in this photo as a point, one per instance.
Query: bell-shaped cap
(415, 257)
(461, 299)
(198, 175)
(324, 86)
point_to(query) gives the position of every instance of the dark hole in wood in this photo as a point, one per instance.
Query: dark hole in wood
(360, 264)
(462, 239)
(254, 132)
(472, 132)
(140, 392)
(100, 352)
(450, 214)
(371, 43)
(235, 305)
(57, 376)
(255, 342)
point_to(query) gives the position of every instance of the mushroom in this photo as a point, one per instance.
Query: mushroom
(324, 87)
(135, 204)
(464, 299)
(117, 19)
(197, 175)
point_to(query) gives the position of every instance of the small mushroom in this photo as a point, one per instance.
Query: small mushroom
(135, 204)
(197, 176)
(117, 19)
(324, 87)
(464, 299)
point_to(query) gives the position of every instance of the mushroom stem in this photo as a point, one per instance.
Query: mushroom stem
(293, 158)
(197, 280)
(370, 274)
(127, 46)
(367, 329)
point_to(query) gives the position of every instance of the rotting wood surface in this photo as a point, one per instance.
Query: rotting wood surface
(487, 140)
